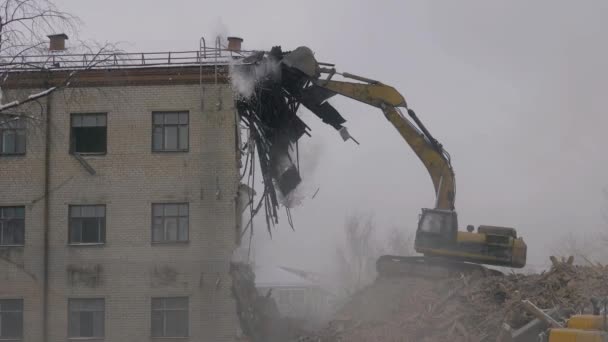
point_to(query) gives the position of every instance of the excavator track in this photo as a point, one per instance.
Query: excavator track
(427, 267)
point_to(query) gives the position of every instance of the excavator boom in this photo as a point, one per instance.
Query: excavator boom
(430, 152)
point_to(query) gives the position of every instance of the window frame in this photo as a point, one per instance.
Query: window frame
(2, 245)
(22, 122)
(163, 125)
(187, 216)
(164, 311)
(70, 226)
(21, 302)
(72, 146)
(70, 323)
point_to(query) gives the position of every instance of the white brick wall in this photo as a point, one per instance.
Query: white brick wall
(129, 178)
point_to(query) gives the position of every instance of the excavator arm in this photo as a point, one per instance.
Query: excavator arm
(428, 150)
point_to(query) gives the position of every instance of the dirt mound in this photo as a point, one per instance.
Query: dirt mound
(466, 308)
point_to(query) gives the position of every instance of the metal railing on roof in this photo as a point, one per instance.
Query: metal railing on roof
(118, 60)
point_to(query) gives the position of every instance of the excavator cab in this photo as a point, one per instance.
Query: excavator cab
(437, 228)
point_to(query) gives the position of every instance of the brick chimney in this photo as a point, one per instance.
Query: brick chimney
(57, 42)
(234, 43)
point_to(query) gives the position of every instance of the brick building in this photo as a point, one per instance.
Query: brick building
(118, 215)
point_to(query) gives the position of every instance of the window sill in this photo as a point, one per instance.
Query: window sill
(90, 154)
(171, 242)
(170, 337)
(11, 155)
(9, 246)
(86, 338)
(84, 244)
(170, 151)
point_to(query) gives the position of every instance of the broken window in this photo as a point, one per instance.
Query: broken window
(170, 317)
(170, 131)
(169, 222)
(86, 317)
(11, 319)
(89, 133)
(87, 224)
(12, 135)
(12, 226)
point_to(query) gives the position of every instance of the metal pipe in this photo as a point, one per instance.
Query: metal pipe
(45, 219)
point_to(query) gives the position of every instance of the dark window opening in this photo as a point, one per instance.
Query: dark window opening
(87, 224)
(12, 135)
(89, 133)
(170, 131)
(11, 319)
(86, 317)
(12, 226)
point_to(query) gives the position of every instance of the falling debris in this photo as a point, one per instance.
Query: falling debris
(271, 87)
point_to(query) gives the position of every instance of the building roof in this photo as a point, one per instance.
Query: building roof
(204, 66)
(273, 276)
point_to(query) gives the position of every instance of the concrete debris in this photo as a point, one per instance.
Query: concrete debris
(466, 308)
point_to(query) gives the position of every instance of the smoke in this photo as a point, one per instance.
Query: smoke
(244, 78)
(219, 30)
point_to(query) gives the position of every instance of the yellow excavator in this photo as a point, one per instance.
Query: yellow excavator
(445, 248)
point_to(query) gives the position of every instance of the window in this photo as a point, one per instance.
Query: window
(89, 133)
(170, 317)
(170, 131)
(11, 319)
(87, 224)
(12, 226)
(86, 317)
(12, 135)
(170, 222)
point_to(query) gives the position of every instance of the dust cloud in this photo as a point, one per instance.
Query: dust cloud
(244, 80)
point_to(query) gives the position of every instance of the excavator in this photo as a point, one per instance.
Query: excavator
(444, 247)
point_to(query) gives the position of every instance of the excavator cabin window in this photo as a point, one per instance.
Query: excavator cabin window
(438, 222)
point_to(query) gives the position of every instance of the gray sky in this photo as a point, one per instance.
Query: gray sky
(513, 89)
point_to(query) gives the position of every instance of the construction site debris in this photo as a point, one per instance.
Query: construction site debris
(466, 307)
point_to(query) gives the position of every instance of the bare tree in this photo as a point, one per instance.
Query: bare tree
(357, 256)
(586, 249)
(24, 27)
(400, 242)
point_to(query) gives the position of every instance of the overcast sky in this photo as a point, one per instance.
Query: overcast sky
(513, 89)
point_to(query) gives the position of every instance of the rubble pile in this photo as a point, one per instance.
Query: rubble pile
(465, 308)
